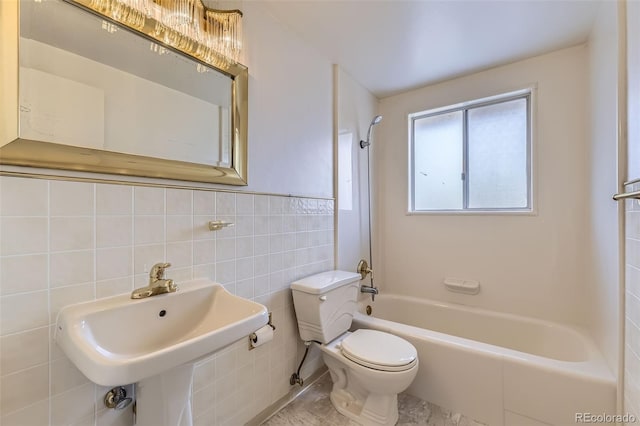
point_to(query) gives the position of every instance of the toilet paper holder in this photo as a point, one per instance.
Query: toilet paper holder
(253, 338)
(270, 324)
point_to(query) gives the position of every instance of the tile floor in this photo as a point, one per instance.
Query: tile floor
(313, 408)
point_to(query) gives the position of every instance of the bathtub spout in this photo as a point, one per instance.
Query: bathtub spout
(371, 290)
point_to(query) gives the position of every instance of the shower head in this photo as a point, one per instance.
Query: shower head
(376, 120)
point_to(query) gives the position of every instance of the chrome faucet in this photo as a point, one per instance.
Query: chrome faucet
(157, 283)
(367, 289)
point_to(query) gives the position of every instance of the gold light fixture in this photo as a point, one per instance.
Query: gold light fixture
(210, 35)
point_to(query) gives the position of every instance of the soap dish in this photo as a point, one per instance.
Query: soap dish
(462, 286)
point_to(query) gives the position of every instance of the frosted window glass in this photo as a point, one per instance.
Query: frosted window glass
(438, 162)
(497, 138)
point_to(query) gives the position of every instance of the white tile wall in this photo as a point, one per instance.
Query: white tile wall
(67, 242)
(632, 308)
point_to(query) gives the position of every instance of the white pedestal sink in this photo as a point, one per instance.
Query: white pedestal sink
(174, 388)
(117, 341)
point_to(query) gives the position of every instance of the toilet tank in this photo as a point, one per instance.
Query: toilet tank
(325, 304)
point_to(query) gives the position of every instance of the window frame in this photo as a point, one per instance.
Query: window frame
(529, 95)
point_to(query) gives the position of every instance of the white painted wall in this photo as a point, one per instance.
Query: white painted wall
(356, 108)
(601, 211)
(531, 265)
(290, 109)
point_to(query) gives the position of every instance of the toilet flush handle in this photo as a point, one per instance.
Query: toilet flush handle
(323, 298)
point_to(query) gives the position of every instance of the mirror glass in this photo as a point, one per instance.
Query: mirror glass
(85, 82)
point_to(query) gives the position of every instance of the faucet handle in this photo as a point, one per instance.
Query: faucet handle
(364, 269)
(157, 270)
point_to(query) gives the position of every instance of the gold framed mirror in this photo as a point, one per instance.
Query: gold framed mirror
(80, 91)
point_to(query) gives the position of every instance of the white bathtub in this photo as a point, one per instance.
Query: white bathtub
(496, 368)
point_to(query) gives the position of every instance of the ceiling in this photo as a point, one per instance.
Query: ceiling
(396, 45)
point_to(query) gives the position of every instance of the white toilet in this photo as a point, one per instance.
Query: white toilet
(368, 367)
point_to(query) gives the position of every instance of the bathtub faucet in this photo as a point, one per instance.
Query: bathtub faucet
(369, 289)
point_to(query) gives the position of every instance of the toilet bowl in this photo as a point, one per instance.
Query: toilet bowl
(366, 383)
(368, 367)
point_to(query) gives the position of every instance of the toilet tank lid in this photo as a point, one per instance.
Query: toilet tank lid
(325, 281)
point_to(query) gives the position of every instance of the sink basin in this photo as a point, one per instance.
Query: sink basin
(116, 341)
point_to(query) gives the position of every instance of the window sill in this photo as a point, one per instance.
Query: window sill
(531, 212)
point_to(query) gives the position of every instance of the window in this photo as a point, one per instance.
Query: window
(474, 156)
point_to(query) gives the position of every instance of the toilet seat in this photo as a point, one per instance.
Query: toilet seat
(379, 350)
